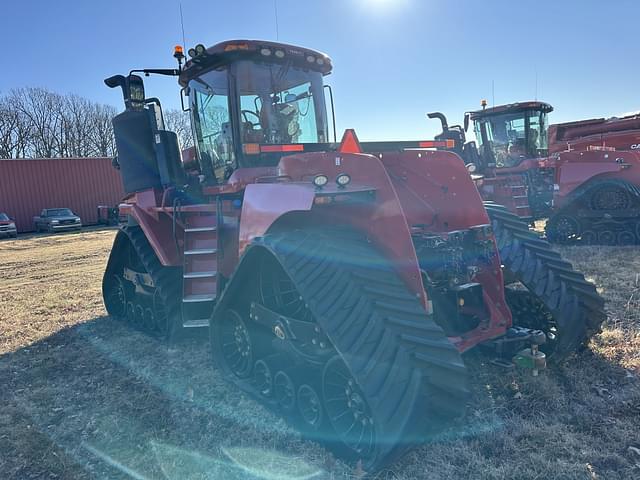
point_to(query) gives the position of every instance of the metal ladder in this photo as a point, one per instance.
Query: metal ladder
(200, 269)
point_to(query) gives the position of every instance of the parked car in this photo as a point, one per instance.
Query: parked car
(7, 226)
(56, 220)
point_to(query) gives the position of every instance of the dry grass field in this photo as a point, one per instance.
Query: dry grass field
(81, 396)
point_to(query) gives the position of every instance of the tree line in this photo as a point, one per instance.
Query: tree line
(38, 123)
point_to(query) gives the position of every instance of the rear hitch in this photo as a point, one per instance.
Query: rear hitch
(532, 359)
(510, 351)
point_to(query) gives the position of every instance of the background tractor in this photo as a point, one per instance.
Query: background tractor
(340, 288)
(589, 194)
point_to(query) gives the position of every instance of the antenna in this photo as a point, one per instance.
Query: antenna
(275, 11)
(184, 42)
(493, 93)
(536, 95)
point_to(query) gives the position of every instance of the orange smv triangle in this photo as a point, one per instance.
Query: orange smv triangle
(349, 143)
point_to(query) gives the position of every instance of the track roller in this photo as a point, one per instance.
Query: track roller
(284, 391)
(310, 407)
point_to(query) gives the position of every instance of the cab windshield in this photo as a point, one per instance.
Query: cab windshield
(279, 103)
(259, 104)
(511, 138)
(3, 217)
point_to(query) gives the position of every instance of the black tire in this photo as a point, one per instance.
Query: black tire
(571, 304)
(410, 375)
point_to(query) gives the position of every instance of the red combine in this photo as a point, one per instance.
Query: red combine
(589, 195)
(340, 288)
(621, 133)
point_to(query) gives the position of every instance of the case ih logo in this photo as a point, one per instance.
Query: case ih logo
(635, 146)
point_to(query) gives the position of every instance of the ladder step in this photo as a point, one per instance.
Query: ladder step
(200, 274)
(201, 251)
(200, 297)
(520, 196)
(203, 322)
(200, 229)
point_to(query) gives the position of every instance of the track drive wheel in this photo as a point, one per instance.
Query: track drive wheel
(560, 301)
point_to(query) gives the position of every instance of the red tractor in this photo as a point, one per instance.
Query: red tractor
(589, 196)
(339, 288)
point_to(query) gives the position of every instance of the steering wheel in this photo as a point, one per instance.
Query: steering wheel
(250, 112)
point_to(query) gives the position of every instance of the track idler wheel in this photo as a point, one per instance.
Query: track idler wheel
(347, 409)
(117, 297)
(236, 344)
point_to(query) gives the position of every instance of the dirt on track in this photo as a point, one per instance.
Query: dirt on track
(82, 396)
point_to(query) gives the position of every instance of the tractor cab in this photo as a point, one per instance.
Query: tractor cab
(508, 134)
(252, 102)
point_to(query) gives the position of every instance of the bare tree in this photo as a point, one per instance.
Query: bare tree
(178, 121)
(15, 131)
(35, 122)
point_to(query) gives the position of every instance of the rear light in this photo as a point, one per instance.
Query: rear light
(343, 180)
(320, 180)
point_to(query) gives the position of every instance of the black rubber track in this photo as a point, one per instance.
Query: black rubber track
(412, 376)
(580, 199)
(166, 279)
(576, 307)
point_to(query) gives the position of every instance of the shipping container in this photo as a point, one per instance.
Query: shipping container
(81, 184)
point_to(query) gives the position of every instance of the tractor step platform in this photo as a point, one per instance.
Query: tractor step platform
(200, 268)
(211, 274)
(197, 298)
(199, 229)
(199, 323)
(201, 251)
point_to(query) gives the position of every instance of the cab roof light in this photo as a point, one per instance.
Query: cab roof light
(236, 46)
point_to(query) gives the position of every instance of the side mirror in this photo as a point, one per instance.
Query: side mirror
(466, 122)
(132, 89)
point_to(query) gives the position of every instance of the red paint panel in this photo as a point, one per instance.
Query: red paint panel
(81, 184)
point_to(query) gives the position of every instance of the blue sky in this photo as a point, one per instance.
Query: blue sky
(394, 60)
